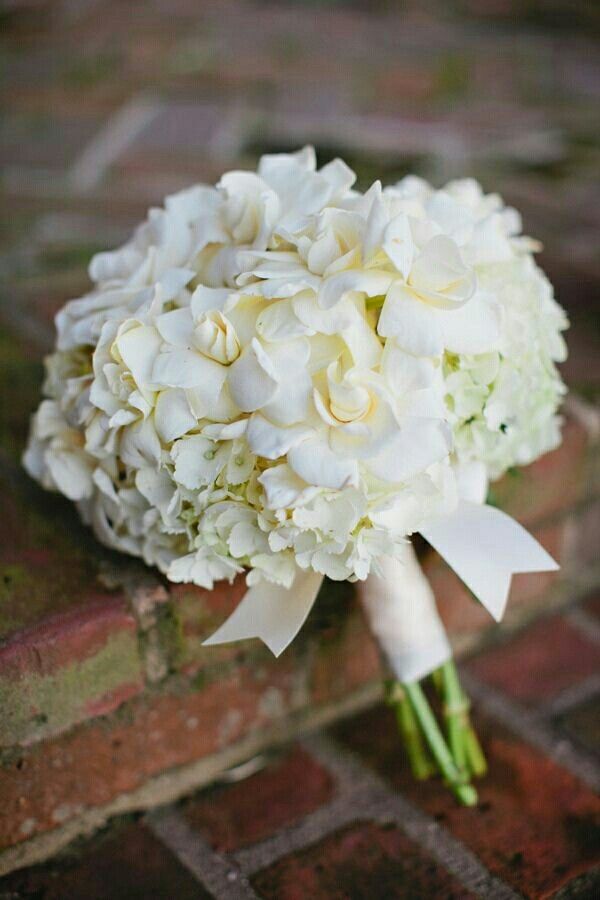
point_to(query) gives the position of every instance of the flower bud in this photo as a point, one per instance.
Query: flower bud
(215, 337)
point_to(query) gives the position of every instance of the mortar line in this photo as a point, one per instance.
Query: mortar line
(534, 731)
(114, 137)
(219, 875)
(579, 693)
(586, 624)
(364, 795)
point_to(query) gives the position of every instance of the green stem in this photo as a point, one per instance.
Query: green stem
(421, 763)
(455, 708)
(464, 743)
(475, 757)
(457, 780)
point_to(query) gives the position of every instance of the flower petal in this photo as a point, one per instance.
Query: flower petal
(414, 325)
(372, 284)
(176, 327)
(187, 369)
(419, 443)
(252, 379)
(271, 441)
(172, 415)
(316, 463)
(198, 460)
(472, 328)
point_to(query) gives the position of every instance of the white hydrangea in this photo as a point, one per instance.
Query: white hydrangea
(282, 371)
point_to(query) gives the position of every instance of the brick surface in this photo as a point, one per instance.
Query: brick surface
(82, 663)
(548, 658)
(44, 785)
(582, 725)
(359, 862)
(50, 783)
(127, 864)
(551, 484)
(536, 826)
(254, 809)
(68, 645)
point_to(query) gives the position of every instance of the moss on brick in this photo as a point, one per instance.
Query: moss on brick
(20, 381)
(37, 705)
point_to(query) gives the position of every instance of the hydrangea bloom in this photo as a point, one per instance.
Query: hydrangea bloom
(283, 371)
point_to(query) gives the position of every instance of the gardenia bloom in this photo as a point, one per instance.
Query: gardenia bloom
(283, 372)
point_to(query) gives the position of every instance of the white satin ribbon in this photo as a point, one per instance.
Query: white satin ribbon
(272, 613)
(483, 545)
(402, 614)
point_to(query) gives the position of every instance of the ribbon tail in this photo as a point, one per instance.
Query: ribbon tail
(485, 547)
(270, 612)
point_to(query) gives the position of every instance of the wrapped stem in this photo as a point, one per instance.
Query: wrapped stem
(402, 613)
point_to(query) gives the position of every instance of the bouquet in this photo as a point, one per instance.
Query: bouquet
(284, 376)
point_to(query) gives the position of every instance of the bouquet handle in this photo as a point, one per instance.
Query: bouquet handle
(401, 610)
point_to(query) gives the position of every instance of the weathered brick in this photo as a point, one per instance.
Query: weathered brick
(255, 808)
(128, 863)
(95, 762)
(582, 725)
(20, 379)
(552, 484)
(547, 658)
(536, 826)
(74, 665)
(361, 861)
(68, 646)
(592, 605)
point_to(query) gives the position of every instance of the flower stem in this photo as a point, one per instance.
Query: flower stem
(420, 761)
(456, 779)
(455, 707)
(464, 744)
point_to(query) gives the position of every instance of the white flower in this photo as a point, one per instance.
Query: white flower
(283, 372)
(56, 455)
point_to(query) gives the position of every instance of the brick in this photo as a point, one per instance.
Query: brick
(93, 764)
(128, 863)
(255, 808)
(538, 664)
(582, 725)
(72, 666)
(343, 655)
(20, 379)
(68, 645)
(536, 826)
(552, 484)
(592, 605)
(362, 861)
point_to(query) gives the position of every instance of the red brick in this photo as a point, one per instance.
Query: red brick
(348, 654)
(363, 861)
(127, 864)
(255, 808)
(547, 658)
(592, 605)
(536, 826)
(65, 638)
(49, 561)
(552, 484)
(582, 724)
(96, 762)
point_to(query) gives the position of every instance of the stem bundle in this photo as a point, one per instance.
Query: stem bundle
(457, 755)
